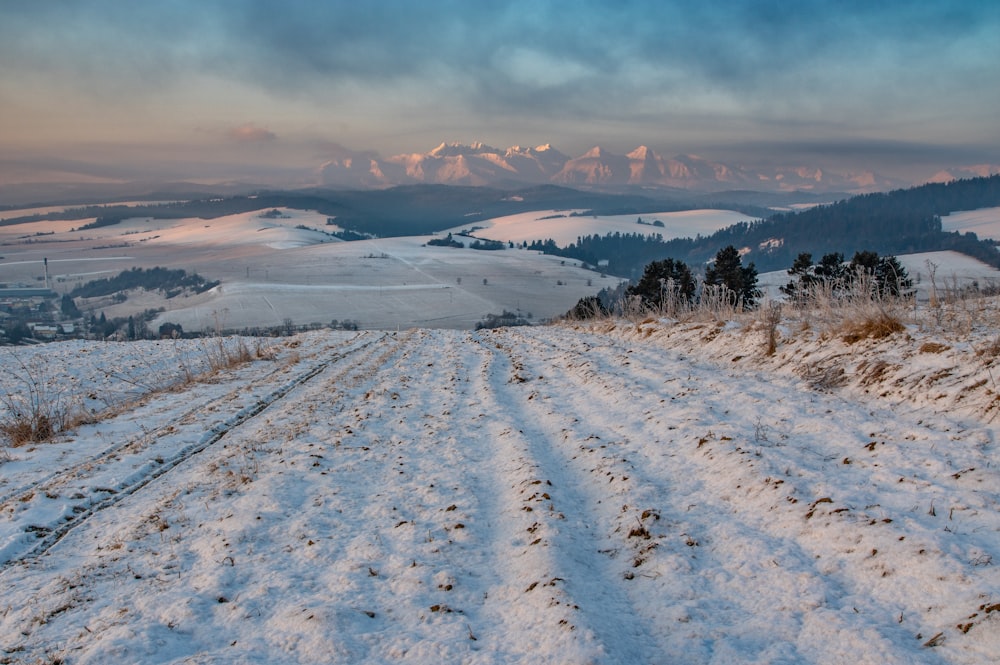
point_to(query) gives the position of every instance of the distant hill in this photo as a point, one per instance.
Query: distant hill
(898, 222)
(405, 210)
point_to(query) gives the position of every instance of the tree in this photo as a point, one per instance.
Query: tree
(880, 276)
(865, 261)
(664, 283)
(803, 277)
(892, 277)
(171, 330)
(831, 271)
(739, 281)
(887, 275)
(69, 308)
(830, 274)
(588, 307)
(18, 332)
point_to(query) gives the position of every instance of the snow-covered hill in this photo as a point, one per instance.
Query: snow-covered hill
(616, 493)
(566, 226)
(283, 264)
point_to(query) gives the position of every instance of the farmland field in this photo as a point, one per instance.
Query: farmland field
(618, 493)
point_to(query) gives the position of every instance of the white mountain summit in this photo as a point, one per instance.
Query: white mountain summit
(479, 164)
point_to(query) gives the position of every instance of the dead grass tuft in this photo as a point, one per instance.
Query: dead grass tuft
(35, 410)
(222, 355)
(772, 318)
(23, 428)
(878, 325)
(991, 350)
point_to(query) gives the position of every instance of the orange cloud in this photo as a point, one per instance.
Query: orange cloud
(251, 133)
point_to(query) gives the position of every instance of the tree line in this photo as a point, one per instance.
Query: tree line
(167, 281)
(670, 285)
(899, 222)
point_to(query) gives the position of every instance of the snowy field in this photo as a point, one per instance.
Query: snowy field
(984, 222)
(290, 268)
(272, 269)
(564, 227)
(622, 493)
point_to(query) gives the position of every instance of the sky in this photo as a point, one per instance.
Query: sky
(118, 89)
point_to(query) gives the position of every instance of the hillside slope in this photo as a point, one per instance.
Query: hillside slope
(619, 494)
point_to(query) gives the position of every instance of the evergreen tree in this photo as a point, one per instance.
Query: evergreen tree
(892, 277)
(831, 269)
(803, 277)
(69, 308)
(662, 282)
(889, 278)
(740, 281)
(587, 307)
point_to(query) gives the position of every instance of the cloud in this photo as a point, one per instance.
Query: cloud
(251, 133)
(664, 67)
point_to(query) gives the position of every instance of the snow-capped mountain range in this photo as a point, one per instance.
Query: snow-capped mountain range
(477, 164)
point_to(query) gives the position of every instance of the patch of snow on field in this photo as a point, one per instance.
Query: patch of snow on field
(619, 492)
(565, 226)
(393, 283)
(250, 228)
(984, 222)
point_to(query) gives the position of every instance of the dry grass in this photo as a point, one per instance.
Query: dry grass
(772, 318)
(991, 350)
(874, 325)
(36, 409)
(226, 356)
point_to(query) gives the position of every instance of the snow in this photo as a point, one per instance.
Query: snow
(272, 270)
(391, 283)
(931, 272)
(250, 228)
(565, 226)
(984, 222)
(616, 492)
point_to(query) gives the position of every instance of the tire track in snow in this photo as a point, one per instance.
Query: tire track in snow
(658, 535)
(139, 519)
(146, 439)
(741, 483)
(570, 573)
(445, 560)
(133, 478)
(405, 468)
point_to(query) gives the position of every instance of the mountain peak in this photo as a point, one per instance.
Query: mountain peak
(643, 153)
(477, 163)
(456, 148)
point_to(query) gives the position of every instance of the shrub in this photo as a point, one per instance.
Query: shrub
(876, 325)
(502, 320)
(589, 307)
(34, 412)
